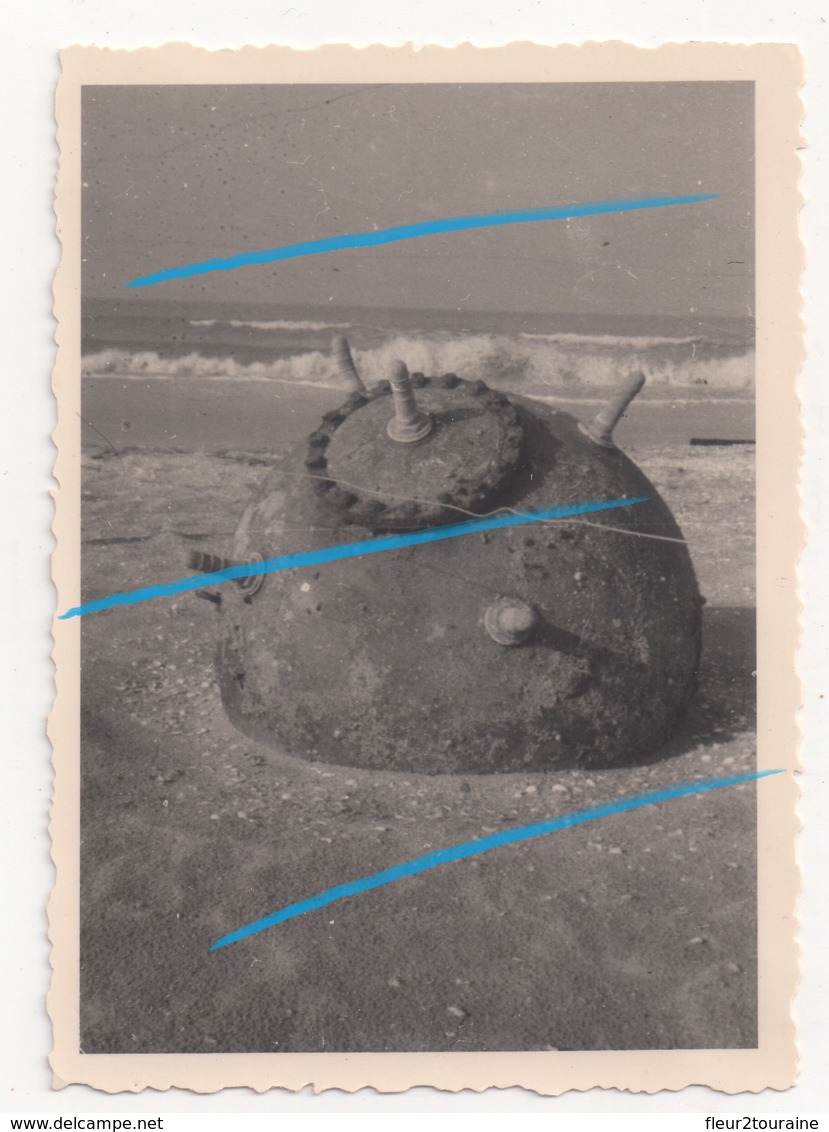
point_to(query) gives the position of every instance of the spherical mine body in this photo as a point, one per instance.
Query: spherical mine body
(568, 642)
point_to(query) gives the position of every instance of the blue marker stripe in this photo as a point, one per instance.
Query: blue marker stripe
(482, 845)
(345, 550)
(411, 231)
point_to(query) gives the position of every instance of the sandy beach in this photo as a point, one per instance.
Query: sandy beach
(634, 932)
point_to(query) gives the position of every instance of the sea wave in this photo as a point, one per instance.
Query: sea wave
(275, 324)
(511, 362)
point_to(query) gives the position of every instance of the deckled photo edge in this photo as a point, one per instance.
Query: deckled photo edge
(775, 70)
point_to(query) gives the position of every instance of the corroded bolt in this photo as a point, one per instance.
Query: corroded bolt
(345, 364)
(408, 423)
(509, 621)
(204, 563)
(601, 427)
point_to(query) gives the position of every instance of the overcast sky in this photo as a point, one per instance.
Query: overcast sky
(173, 175)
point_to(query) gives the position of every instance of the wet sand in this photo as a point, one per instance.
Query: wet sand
(633, 932)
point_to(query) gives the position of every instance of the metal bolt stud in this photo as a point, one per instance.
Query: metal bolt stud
(408, 424)
(203, 563)
(600, 429)
(345, 364)
(509, 621)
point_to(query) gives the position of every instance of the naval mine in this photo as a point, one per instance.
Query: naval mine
(561, 643)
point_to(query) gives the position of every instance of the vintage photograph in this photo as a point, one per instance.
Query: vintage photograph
(418, 637)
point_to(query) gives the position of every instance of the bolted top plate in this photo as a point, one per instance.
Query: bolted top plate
(473, 449)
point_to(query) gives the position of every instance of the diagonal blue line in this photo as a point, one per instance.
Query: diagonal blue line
(344, 550)
(481, 845)
(411, 231)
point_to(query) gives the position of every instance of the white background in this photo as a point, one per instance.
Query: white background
(34, 32)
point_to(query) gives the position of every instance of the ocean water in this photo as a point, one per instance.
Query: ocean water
(528, 353)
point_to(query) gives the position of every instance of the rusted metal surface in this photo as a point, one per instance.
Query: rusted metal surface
(470, 459)
(388, 661)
